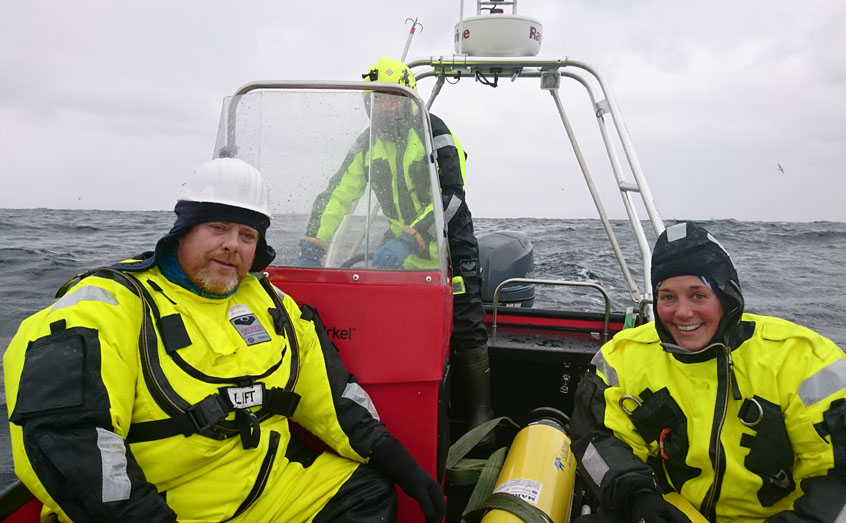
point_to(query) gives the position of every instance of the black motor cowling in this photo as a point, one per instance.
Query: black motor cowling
(504, 255)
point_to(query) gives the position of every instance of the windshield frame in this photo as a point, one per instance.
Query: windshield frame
(227, 144)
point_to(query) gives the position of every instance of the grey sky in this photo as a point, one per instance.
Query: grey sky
(110, 104)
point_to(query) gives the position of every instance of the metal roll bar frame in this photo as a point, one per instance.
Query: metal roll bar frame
(550, 71)
(605, 330)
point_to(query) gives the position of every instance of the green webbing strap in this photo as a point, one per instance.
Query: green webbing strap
(484, 473)
(464, 471)
(487, 479)
(509, 503)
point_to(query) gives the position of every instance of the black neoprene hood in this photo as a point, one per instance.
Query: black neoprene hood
(688, 249)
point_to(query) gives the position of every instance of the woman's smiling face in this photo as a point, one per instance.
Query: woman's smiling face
(689, 310)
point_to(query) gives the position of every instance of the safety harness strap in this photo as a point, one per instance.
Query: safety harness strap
(199, 417)
(211, 411)
(207, 417)
(282, 402)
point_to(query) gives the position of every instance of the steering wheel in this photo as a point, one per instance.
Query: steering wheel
(354, 259)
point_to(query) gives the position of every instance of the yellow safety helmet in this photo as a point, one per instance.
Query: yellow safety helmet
(393, 71)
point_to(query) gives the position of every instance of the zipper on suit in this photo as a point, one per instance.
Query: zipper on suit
(723, 396)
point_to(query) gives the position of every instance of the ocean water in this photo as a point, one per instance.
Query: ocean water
(793, 270)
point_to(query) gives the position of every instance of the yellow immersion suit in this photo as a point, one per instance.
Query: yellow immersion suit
(751, 434)
(82, 389)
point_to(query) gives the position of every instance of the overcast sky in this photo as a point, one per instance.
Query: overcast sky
(109, 105)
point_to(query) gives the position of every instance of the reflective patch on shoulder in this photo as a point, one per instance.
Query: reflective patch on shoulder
(280, 292)
(354, 392)
(594, 464)
(444, 140)
(87, 293)
(823, 383)
(116, 484)
(677, 232)
(607, 370)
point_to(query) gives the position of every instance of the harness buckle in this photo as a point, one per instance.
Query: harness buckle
(206, 413)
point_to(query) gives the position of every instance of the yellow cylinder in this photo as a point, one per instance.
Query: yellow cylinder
(539, 469)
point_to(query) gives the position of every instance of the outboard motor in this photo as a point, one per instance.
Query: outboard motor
(503, 255)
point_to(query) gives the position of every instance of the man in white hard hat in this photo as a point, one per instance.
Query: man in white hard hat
(161, 388)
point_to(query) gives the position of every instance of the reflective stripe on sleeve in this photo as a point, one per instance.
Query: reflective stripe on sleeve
(87, 293)
(444, 140)
(354, 392)
(116, 484)
(452, 208)
(594, 464)
(823, 383)
(607, 370)
(841, 518)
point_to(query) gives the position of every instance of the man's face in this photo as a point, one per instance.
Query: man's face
(389, 113)
(217, 255)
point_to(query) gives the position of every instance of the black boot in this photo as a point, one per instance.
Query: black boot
(472, 369)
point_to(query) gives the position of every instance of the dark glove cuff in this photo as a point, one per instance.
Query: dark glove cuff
(637, 491)
(391, 459)
(644, 503)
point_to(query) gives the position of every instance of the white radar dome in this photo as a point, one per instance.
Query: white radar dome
(498, 35)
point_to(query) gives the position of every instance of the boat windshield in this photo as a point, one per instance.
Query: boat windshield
(349, 169)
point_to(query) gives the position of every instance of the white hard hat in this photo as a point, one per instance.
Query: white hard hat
(230, 181)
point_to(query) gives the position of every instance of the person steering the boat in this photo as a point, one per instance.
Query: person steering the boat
(162, 388)
(397, 157)
(743, 415)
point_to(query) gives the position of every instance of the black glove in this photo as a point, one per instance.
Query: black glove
(650, 507)
(392, 459)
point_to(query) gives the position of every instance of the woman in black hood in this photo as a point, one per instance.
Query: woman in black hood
(693, 275)
(742, 415)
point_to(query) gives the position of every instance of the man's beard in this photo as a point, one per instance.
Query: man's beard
(216, 285)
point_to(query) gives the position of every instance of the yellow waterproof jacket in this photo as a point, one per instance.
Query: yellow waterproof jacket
(399, 171)
(80, 385)
(744, 435)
